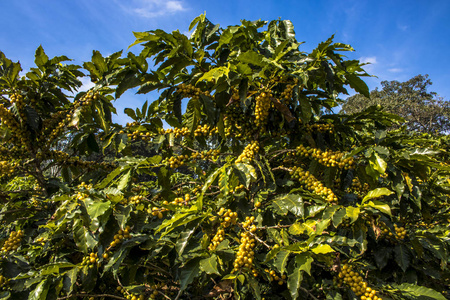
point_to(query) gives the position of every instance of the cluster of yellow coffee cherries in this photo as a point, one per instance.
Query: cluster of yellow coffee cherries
(249, 152)
(81, 196)
(19, 134)
(177, 132)
(227, 218)
(245, 255)
(236, 123)
(398, 234)
(88, 98)
(130, 296)
(320, 127)
(7, 168)
(41, 241)
(327, 158)
(18, 100)
(3, 280)
(157, 212)
(120, 236)
(274, 277)
(238, 188)
(358, 188)
(205, 130)
(65, 158)
(132, 200)
(13, 241)
(311, 183)
(178, 161)
(60, 127)
(217, 239)
(263, 104)
(61, 119)
(180, 201)
(138, 135)
(191, 91)
(286, 95)
(354, 280)
(91, 260)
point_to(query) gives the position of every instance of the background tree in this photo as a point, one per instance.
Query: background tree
(251, 193)
(422, 109)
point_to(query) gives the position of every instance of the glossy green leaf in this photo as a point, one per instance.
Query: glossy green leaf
(377, 193)
(288, 203)
(281, 260)
(418, 292)
(209, 265)
(189, 272)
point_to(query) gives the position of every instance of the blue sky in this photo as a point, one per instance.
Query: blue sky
(400, 38)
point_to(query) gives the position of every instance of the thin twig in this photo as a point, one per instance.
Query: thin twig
(270, 227)
(281, 168)
(309, 293)
(92, 295)
(164, 295)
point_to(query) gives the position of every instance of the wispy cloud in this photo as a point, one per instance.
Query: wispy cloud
(371, 61)
(395, 70)
(87, 84)
(403, 27)
(368, 59)
(154, 8)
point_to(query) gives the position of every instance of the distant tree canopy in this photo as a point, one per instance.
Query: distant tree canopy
(423, 111)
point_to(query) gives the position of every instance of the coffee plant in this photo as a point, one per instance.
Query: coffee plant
(238, 182)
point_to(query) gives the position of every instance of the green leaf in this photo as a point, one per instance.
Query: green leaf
(352, 213)
(124, 180)
(251, 57)
(402, 256)
(255, 286)
(358, 84)
(183, 240)
(418, 292)
(40, 58)
(209, 265)
(215, 74)
(381, 206)
(302, 264)
(97, 208)
(245, 172)
(339, 216)
(280, 260)
(378, 163)
(189, 272)
(322, 249)
(377, 193)
(41, 291)
(70, 279)
(99, 61)
(305, 105)
(289, 203)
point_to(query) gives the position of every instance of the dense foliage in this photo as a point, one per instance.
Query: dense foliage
(422, 110)
(238, 182)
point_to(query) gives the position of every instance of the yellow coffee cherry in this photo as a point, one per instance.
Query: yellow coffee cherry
(13, 241)
(263, 104)
(327, 158)
(249, 152)
(311, 183)
(245, 255)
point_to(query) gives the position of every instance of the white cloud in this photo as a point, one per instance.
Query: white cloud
(403, 27)
(154, 8)
(395, 70)
(86, 84)
(368, 59)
